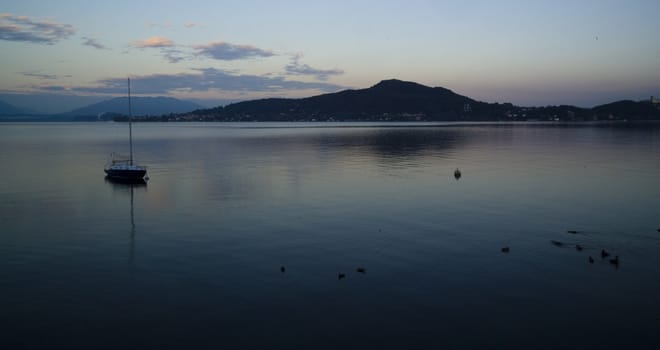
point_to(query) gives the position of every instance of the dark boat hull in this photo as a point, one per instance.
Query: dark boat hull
(126, 174)
(130, 182)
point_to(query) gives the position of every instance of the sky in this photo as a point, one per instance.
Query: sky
(530, 53)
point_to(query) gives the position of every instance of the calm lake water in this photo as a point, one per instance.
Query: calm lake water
(192, 260)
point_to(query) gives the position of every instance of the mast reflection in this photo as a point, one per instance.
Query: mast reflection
(131, 185)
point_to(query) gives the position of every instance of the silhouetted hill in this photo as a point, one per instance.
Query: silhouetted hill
(388, 100)
(396, 100)
(390, 96)
(627, 109)
(140, 106)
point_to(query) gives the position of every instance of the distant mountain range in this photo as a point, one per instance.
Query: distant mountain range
(396, 100)
(49, 103)
(9, 109)
(105, 110)
(140, 106)
(389, 100)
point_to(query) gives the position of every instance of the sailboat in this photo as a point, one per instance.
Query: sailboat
(120, 168)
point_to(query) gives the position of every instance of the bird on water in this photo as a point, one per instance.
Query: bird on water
(604, 253)
(340, 275)
(615, 261)
(505, 249)
(457, 174)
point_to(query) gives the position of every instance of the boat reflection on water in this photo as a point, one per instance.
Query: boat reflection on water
(131, 185)
(126, 182)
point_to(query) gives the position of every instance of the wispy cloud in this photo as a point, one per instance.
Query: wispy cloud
(227, 52)
(37, 74)
(199, 80)
(172, 26)
(93, 43)
(173, 55)
(171, 52)
(55, 88)
(297, 68)
(216, 50)
(22, 28)
(153, 42)
(155, 25)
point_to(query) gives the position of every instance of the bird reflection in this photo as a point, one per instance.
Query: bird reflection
(615, 261)
(556, 243)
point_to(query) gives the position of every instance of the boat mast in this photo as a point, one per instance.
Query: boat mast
(130, 126)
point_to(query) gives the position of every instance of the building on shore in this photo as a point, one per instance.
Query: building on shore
(655, 101)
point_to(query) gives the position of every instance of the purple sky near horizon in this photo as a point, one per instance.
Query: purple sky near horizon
(583, 53)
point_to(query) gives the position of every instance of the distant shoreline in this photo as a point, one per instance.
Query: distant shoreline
(388, 101)
(23, 119)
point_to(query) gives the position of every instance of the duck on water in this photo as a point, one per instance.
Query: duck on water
(121, 168)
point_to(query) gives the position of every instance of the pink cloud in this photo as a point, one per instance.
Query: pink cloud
(155, 41)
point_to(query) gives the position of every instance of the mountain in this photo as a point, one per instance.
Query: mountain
(396, 100)
(7, 109)
(627, 109)
(49, 103)
(390, 100)
(140, 106)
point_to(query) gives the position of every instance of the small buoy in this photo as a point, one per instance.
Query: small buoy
(591, 260)
(505, 250)
(578, 247)
(604, 253)
(282, 269)
(361, 270)
(340, 275)
(457, 174)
